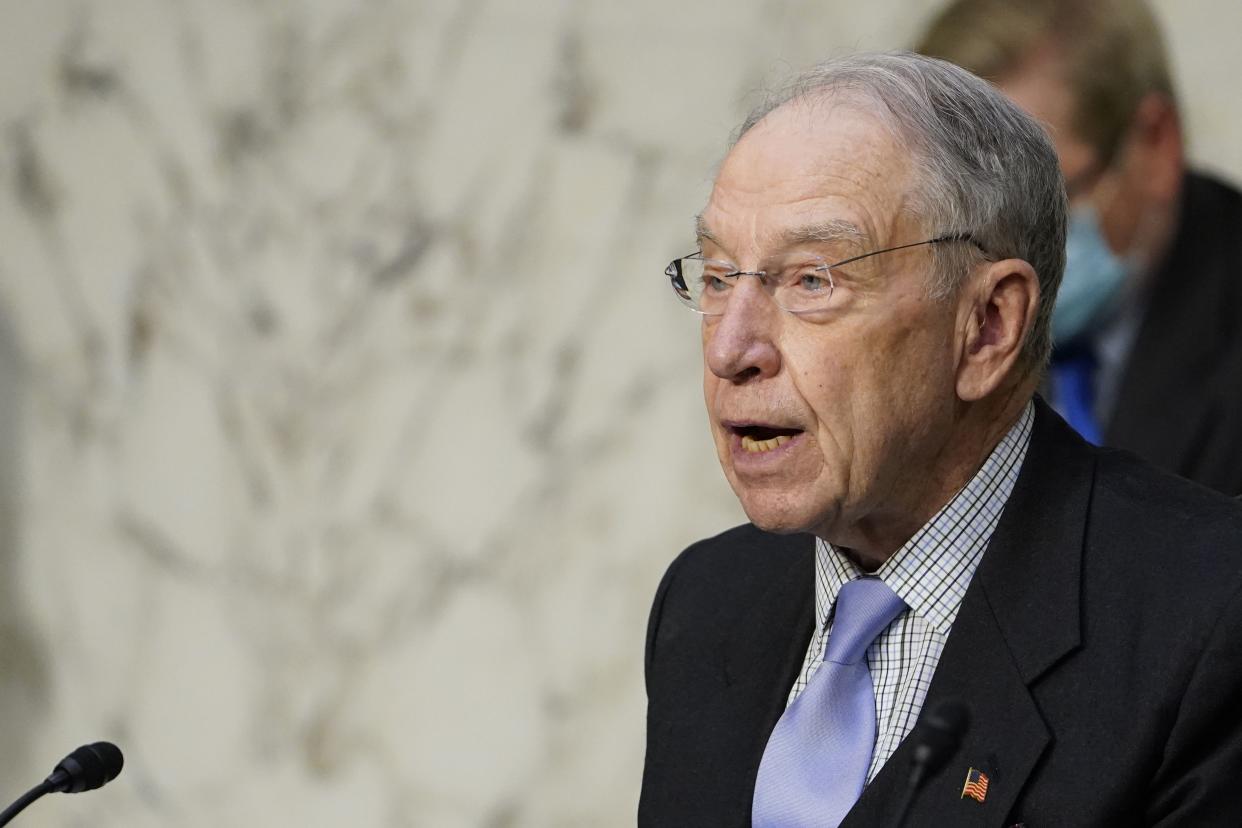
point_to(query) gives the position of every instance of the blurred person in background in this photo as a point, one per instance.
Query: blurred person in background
(1148, 321)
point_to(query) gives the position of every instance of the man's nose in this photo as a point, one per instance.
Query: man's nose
(741, 344)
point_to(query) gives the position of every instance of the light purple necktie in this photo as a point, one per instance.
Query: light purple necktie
(815, 764)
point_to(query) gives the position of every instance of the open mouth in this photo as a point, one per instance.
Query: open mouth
(760, 438)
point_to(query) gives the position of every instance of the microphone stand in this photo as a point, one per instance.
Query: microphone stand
(28, 797)
(936, 739)
(907, 797)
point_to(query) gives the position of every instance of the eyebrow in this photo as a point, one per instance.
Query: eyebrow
(828, 231)
(836, 230)
(703, 233)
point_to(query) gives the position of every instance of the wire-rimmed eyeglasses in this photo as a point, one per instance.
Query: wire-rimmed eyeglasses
(802, 285)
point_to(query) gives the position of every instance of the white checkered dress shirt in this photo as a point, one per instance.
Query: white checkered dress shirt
(930, 573)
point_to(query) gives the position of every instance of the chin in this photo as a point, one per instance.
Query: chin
(777, 527)
(780, 514)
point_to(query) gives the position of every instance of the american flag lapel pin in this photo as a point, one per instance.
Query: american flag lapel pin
(976, 786)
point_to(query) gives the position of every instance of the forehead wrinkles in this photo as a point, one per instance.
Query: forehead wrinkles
(838, 127)
(806, 174)
(838, 232)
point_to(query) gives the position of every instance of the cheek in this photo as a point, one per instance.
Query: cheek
(863, 385)
(826, 379)
(711, 386)
(914, 374)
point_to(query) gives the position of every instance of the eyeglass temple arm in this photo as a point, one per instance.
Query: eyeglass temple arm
(955, 237)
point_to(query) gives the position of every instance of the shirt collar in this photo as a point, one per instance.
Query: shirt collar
(932, 570)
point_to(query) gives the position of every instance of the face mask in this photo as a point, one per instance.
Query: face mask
(1093, 277)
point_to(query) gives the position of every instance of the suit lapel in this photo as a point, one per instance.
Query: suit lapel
(773, 635)
(1020, 616)
(760, 663)
(1005, 739)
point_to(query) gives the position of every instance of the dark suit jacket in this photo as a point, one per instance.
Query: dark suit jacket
(1179, 402)
(1099, 649)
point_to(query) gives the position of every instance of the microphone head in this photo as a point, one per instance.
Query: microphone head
(950, 716)
(939, 734)
(87, 768)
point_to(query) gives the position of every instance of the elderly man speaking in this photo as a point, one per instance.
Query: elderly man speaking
(934, 557)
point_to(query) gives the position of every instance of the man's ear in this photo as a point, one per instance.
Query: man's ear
(995, 317)
(1156, 141)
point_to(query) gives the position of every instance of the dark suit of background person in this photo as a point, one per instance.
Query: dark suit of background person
(1179, 402)
(1174, 392)
(1099, 650)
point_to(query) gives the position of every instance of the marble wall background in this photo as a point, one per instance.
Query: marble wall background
(345, 425)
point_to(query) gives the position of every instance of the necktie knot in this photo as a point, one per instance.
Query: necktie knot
(865, 607)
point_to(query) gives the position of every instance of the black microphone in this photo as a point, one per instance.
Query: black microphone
(87, 768)
(936, 738)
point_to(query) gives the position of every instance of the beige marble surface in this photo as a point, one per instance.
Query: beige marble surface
(345, 424)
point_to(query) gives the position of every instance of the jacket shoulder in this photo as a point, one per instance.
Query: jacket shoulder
(741, 558)
(1166, 548)
(715, 576)
(1163, 515)
(713, 584)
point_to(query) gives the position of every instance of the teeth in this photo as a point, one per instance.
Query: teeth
(752, 445)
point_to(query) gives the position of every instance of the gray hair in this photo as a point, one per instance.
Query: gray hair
(984, 167)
